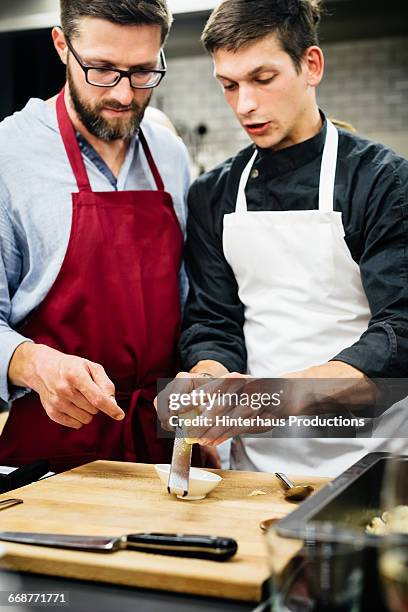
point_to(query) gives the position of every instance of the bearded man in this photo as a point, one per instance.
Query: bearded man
(92, 215)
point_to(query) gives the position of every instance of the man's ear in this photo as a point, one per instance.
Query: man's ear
(60, 44)
(313, 62)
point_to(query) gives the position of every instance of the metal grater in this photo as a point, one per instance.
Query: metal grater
(179, 475)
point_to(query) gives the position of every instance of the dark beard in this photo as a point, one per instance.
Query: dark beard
(107, 130)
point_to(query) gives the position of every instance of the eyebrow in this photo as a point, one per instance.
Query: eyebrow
(254, 72)
(105, 63)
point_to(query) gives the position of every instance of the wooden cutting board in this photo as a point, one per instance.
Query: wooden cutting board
(112, 498)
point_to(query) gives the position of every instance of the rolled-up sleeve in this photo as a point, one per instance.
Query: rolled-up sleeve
(214, 315)
(10, 270)
(382, 351)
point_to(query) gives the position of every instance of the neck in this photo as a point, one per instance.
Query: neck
(308, 125)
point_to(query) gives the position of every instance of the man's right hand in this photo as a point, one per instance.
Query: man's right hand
(184, 384)
(72, 389)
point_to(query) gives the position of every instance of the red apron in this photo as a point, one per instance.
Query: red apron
(115, 302)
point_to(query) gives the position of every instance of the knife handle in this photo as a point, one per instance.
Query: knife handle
(196, 546)
(24, 475)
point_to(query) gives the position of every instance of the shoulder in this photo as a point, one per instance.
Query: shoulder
(162, 140)
(35, 114)
(25, 135)
(373, 160)
(222, 181)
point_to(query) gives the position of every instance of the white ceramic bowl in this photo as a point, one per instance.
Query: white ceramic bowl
(201, 481)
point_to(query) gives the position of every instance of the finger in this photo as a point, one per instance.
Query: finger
(217, 388)
(168, 401)
(81, 402)
(68, 421)
(78, 414)
(227, 436)
(64, 419)
(97, 398)
(101, 378)
(238, 420)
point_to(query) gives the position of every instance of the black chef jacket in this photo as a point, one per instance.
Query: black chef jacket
(371, 192)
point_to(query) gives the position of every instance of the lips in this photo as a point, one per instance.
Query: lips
(257, 129)
(117, 110)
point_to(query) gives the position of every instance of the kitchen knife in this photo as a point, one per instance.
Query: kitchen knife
(179, 475)
(197, 546)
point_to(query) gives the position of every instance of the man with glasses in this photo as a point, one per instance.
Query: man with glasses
(91, 219)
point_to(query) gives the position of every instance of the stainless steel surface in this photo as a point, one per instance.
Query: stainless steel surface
(350, 501)
(73, 542)
(179, 474)
(9, 503)
(294, 492)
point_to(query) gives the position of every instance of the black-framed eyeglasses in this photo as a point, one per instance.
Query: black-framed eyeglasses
(139, 78)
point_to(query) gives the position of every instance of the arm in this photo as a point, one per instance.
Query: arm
(71, 389)
(380, 249)
(10, 272)
(382, 351)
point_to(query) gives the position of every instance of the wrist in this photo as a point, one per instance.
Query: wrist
(22, 370)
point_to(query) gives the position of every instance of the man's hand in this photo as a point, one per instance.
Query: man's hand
(226, 407)
(184, 384)
(72, 390)
(333, 386)
(344, 385)
(179, 399)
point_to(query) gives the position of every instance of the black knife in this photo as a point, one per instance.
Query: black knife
(213, 548)
(23, 475)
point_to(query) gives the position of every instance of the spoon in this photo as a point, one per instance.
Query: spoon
(294, 492)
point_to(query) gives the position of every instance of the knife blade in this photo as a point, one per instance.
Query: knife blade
(213, 548)
(179, 475)
(9, 503)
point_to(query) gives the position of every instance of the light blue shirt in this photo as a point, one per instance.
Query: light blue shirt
(36, 183)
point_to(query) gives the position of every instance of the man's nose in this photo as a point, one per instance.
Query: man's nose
(247, 102)
(124, 93)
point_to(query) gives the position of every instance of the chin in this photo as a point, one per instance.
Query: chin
(268, 141)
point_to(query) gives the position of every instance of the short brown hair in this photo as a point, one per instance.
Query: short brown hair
(238, 23)
(123, 12)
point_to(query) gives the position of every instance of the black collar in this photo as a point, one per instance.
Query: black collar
(274, 163)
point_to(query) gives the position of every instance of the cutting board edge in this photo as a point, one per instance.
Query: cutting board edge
(238, 591)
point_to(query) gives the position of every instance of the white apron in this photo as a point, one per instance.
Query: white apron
(304, 303)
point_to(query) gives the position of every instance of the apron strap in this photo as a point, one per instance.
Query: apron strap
(328, 169)
(71, 145)
(241, 199)
(152, 165)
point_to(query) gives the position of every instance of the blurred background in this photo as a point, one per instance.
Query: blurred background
(366, 82)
